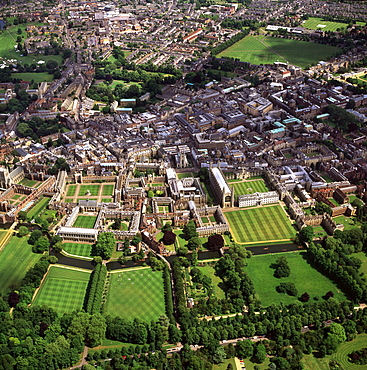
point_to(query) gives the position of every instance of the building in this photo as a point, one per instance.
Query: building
(221, 190)
(258, 199)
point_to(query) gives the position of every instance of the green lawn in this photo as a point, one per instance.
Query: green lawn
(36, 77)
(249, 187)
(315, 23)
(86, 222)
(15, 260)
(310, 362)
(303, 275)
(224, 364)
(69, 200)
(37, 209)
(107, 189)
(78, 249)
(8, 41)
(348, 222)
(28, 182)
(71, 190)
(63, 289)
(107, 200)
(247, 225)
(136, 294)
(363, 257)
(267, 49)
(209, 271)
(94, 189)
(184, 175)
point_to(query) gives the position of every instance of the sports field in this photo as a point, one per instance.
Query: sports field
(94, 189)
(107, 189)
(248, 225)
(63, 289)
(86, 222)
(311, 362)
(136, 294)
(248, 187)
(319, 24)
(304, 276)
(15, 260)
(267, 50)
(78, 249)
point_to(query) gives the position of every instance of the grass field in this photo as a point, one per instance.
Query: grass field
(315, 23)
(248, 225)
(79, 249)
(303, 275)
(363, 257)
(209, 271)
(107, 189)
(28, 182)
(94, 189)
(249, 187)
(63, 289)
(71, 190)
(15, 260)
(86, 222)
(136, 294)
(310, 362)
(184, 175)
(224, 364)
(266, 50)
(37, 209)
(107, 200)
(36, 77)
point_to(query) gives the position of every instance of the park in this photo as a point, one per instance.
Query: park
(267, 50)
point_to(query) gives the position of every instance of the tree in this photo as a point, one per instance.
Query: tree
(282, 268)
(23, 231)
(167, 227)
(194, 243)
(190, 230)
(13, 299)
(169, 237)
(35, 235)
(215, 242)
(259, 353)
(105, 245)
(305, 297)
(306, 234)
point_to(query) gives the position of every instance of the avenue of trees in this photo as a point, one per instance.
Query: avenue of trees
(96, 287)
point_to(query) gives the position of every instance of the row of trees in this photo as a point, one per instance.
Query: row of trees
(168, 298)
(96, 287)
(225, 45)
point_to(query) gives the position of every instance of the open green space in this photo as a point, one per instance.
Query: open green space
(224, 364)
(38, 208)
(78, 249)
(69, 200)
(107, 189)
(303, 275)
(348, 222)
(15, 260)
(136, 294)
(267, 50)
(16, 196)
(8, 41)
(36, 77)
(310, 362)
(251, 366)
(209, 271)
(107, 200)
(247, 225)
(313, 23)
(163, 209)
(93, 189)
(86, 222)
(249, 187)
(184, 175)
(28, 182)
(71, 190)
(63, 289)
(363, 257)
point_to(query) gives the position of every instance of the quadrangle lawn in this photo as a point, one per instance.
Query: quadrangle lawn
(248, 187)
(108, 189)
(38, 208)
(71, 190)
(267, 50)
(28, 182)
(86, 222)
(93, 188)
(15, 260)
(260, 224)
(136, 294)
(78, 249)
(63, 289)
(303, 275)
